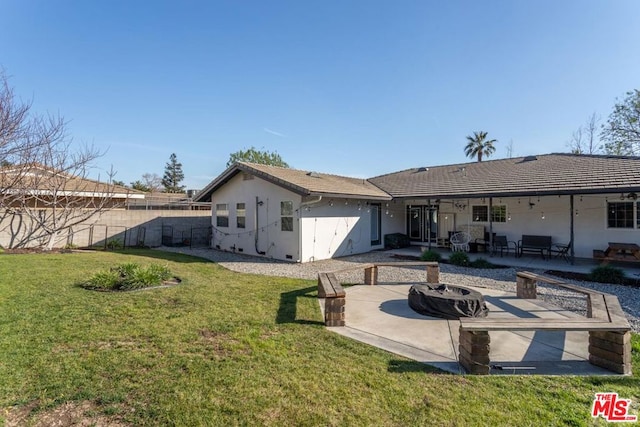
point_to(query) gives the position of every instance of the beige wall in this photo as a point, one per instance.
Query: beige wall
(126, 227)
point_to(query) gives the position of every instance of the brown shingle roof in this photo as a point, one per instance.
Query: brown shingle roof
(301, 182)
(532, 175)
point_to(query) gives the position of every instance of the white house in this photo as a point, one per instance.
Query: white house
(582, 200)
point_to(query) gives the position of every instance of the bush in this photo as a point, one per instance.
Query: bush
(607, 274)
(431, 256)
(129, 276)
(114, 244)
(482, 263)
(459, 258)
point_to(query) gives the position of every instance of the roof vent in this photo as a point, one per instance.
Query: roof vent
(529, 158)
(313, 174)
(422, 169)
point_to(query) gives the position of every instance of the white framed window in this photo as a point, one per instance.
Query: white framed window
(621, 215)
(222, 215)
(480, 213)
(241, 215)
(286, 216)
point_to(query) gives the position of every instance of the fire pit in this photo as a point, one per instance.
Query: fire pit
(447, 301)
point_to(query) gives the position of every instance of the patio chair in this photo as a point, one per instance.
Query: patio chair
(460, 241)
(561, 250)
(501, 242)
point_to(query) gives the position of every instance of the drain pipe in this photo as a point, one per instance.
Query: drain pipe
(300, 209)
(255, 223)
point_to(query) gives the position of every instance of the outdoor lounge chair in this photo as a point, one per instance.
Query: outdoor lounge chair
(460, 241)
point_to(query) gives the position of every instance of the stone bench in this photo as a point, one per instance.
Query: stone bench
(609, 330)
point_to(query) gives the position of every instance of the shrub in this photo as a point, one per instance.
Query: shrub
(607, 274)
(127, 277)
(431, 256)
(459, 258)
(482, 263)
(105, 280)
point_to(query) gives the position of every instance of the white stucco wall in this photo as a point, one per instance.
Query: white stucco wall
(271, 240)
(590, 223)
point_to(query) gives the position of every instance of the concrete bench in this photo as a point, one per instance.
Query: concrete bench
(534, 244)
(609, 330)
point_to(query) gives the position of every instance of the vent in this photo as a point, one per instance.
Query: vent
(240, 250)
(247, 176)
(529, 159)
(313, 174)
(423, 169)
(288, 257)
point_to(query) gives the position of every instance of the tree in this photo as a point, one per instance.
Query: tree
(252, 155)
(140, 186)
(585, 139)
(119, 183)
(153, 181)
(44, 189)
(621, 133)
(150, 183)
(478, 146)
(173, 176)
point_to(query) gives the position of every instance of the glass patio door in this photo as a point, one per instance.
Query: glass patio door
(422, 223)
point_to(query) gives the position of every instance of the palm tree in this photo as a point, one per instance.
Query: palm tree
(477, 146)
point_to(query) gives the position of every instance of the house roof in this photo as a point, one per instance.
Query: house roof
(42, 179)
(301, 182)
(549, 174)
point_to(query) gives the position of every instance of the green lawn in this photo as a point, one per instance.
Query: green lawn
(226, 348)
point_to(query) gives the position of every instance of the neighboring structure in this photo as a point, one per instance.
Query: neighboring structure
(40, 206)
(585, 200)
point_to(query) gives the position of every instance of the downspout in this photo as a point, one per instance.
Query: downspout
(300, 210)
(571, 234)
(255, 223)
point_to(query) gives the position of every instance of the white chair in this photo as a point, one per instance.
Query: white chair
(460, 241)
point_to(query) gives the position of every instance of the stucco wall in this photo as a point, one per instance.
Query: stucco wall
(526, 217)
(268, 238)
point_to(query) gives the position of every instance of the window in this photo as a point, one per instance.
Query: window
(499, 213)
(222, 215)
(620, 215)
(376, 227)
(481, 213)
(286, 216)
(241, 215)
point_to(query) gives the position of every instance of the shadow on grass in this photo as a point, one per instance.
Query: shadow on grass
(403, 366)
(158, 254)
(288, 306)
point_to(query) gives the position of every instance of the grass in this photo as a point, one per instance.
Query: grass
(225, 348)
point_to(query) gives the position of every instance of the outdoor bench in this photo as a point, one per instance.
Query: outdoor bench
(609, 330)
(333, 293)
(536, 244)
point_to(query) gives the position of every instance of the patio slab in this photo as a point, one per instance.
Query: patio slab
(380, 316)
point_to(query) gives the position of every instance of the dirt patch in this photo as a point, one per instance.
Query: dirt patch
(80, 414)
(34, 251)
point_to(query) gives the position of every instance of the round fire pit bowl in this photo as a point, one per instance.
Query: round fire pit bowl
(447, 301)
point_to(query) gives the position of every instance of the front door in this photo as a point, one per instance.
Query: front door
(422, 223)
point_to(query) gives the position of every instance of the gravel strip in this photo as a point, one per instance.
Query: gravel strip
(502, 278)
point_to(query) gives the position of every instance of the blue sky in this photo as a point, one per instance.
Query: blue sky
(358, 88)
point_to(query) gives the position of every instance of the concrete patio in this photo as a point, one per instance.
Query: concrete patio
(380, 316)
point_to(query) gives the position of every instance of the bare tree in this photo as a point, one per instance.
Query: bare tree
(44, 188)
(584, 140)
(152, 181)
